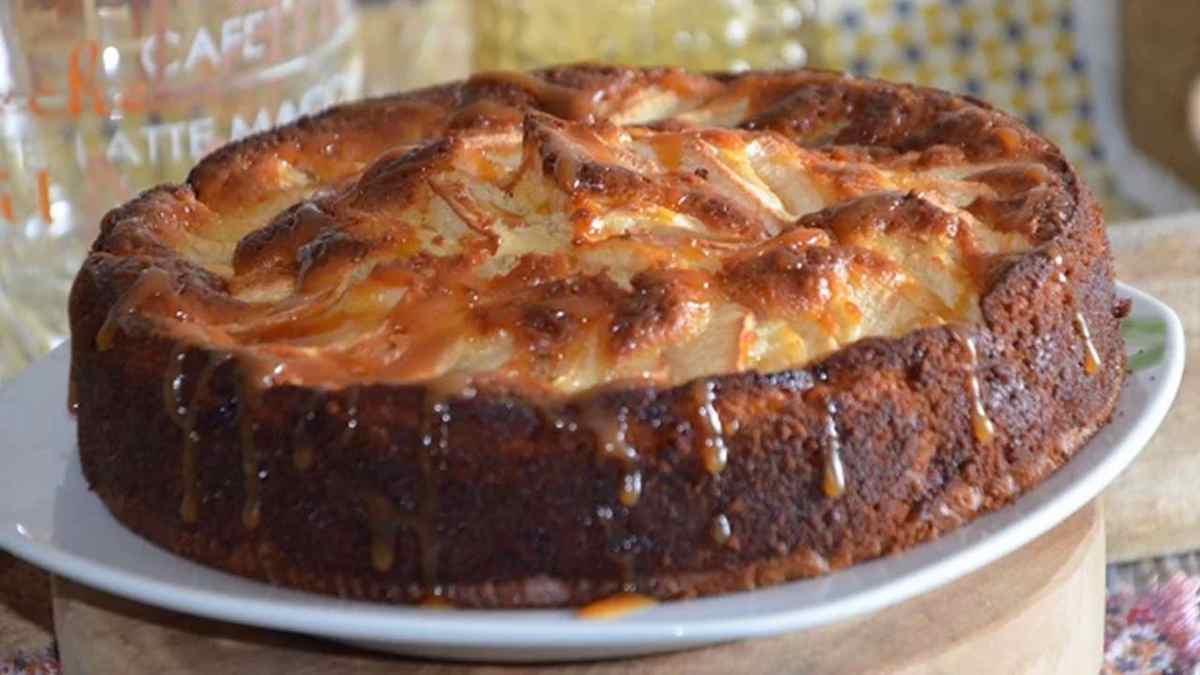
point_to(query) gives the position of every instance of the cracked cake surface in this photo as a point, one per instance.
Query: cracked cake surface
(534, 339)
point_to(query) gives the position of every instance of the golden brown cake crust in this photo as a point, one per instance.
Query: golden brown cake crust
(255, 456)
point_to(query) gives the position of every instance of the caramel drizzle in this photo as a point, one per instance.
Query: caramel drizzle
(173, 386)
(436, 602)
(383, 518)
(72, 395)
(186, 416)
(615, 534)
(303, 443)
(152, 282)
(1091, 357)
(612, 440)
(351, 418)
(612, 443)
(981, 424)
(631, 488)
(436, 438)
(248, 404)
(616, 606)
(714, 452)
(833, 480)
(382, 522)
(721, 530)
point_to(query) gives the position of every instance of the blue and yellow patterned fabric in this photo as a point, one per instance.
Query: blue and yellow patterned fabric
(1023, 56)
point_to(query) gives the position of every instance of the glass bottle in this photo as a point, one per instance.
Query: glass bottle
(100, 99)
(698, 34)
(414, 43)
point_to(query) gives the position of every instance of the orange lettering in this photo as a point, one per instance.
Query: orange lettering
(6, 206)
(43, 188)
(35, 105)
(133, 99)
(82, 81)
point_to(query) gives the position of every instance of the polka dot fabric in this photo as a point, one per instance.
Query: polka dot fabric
(1023, 57)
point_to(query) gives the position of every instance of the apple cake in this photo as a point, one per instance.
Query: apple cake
(538, 339)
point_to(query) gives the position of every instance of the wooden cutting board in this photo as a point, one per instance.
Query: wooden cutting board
(1039, 611)
(1154, 507)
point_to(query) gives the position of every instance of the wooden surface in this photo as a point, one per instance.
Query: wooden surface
(26, 623)
(1039, 610)
(1154, 507)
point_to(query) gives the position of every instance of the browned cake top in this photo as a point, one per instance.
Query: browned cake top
(585, 225)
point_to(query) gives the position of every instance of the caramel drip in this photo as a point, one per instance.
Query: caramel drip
(450, 386)
(173, 386)
(153, 282)
(435, 438)
(72, 390)
(611, 438)
(631, 488)
(351, 419)
(721, 530)
(616, 606)
(1057, 260)
(833, 481)
(615, 534)
(189, 508)
(382, 518)
(981, 424)
(612, 443)
(248, 404)
(382, 521)
(303, 443)
(72, 396)
(714, 452)
(436, 602)
(1091, 357)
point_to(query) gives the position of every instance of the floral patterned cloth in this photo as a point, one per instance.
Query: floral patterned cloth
(1156, 630)
(42, 662)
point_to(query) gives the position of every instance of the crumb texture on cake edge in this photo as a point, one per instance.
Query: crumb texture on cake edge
(915, 457)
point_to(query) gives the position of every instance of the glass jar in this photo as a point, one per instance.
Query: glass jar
(698, 34)
(414, 43)
(100, 99)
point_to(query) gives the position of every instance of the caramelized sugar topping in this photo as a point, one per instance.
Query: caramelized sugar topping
(586, 225)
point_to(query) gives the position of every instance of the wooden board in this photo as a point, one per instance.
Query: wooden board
(1154, 507)
(26, 623)
(1039, 610)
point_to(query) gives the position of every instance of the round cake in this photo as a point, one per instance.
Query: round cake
(538, 339)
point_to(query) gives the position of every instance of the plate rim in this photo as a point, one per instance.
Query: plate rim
(558, 629)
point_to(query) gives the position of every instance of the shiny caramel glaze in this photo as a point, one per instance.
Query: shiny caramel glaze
(539, 339)
(661, 227)
(615, 607)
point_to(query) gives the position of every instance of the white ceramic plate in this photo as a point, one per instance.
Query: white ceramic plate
(48, 516)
